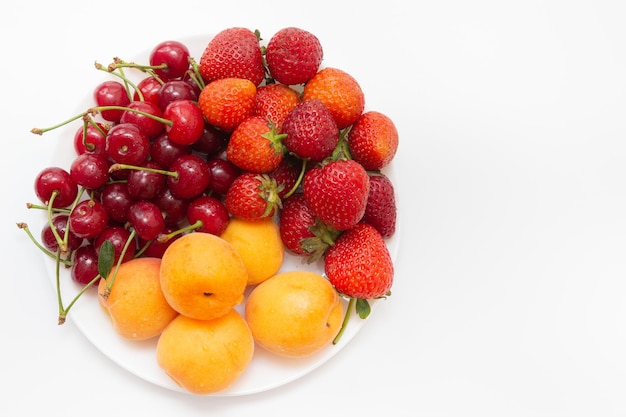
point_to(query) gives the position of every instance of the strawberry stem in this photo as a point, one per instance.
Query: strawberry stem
(346, 319)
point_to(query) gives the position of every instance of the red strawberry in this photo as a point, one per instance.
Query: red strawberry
(337, 192)
(293, 55)
(296, 221)
(227, 102)
(373, 140)
(233, 53)
(311, 131)
(255, 146)
(381, 210)
(252, 197)
(274, 102)
(286, 175)
(359, 264)
(300, 230)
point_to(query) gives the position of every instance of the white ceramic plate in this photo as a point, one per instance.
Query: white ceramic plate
(266, 371)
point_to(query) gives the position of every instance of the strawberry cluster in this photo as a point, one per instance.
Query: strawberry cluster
(250, 130)
(309, 122)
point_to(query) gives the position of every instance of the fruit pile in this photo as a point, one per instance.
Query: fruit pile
(197, 180)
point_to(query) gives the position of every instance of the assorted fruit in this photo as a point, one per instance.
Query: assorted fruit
(193, 181)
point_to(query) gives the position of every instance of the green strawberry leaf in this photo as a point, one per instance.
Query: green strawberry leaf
(363, 308)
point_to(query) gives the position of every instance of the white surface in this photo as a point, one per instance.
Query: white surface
(510, 292)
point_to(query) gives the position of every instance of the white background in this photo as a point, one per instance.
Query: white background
(510, 291)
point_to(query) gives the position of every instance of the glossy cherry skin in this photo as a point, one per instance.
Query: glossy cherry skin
(149, 88)
(175, 90)
(193, 176)
(146, 218)
(156, 248)
(85, 265)
(90, 139)
(90, 170)
(172, 53)
(144, 184)
(111, 93)
(187, 122)
(117, 200)
(211, 141)
(118, 236)
(211, 212)
(150, 126)
(59, 222)
(163, 151)
(58, 181)
(223, 173)
(127, 144)
(174, 209)
(88, 219)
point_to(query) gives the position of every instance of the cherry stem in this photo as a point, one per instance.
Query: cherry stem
(40, 207)
(346, 319)
(119, 63)
(298, 181)
(117, 166)
(81, 292)
(120, 74)
(98, 109)
(165, 237)
(60, 240)
(195, 73)
(62, 312)
(26, 229)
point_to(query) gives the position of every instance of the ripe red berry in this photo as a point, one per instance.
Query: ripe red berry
(174, 54)
(373, 140)
(381, 210)
(57, 183)
(359, 264)
(293, 55)
(337, 192)
(233, 53)
(311, 131)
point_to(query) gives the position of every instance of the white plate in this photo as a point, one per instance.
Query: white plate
(266, 371)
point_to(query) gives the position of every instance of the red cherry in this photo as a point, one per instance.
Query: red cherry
(127, 144)
(211, 141)
(111, 93)
(155, 248)
(176, 57)
(211, 212)
(145, 184)
(187, 122)
(118, 236)
(58, 182)
(146, 218)
(85, 265)
(192, 176)
(175, 90)
(223, 173)
(150, 126)
(174, 209)
(90, 139)
(88, 219)
(49, 240)
(163, 151)
(149, 88)
(90, 170)
(117, 200)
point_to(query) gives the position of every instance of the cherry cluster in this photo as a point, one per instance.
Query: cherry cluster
(147, 168)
